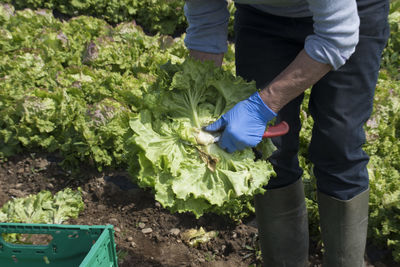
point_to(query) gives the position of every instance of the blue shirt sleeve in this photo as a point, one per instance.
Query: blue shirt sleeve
(336, 28)
(208, 25)
(336, 31)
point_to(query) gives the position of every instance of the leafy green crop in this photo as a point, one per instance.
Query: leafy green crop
(116, 97)
(43, 207)
(95, 93)
(383, 134)
(82, 81)
(164, 16)
(188, 174)
(391, 54)
(155, 16)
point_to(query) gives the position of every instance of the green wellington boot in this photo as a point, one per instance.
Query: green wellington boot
(283, 226)
(344, 229)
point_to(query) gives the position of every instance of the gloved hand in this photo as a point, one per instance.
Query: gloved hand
(243, 125)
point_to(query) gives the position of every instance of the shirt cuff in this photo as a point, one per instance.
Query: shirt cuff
(322, 51)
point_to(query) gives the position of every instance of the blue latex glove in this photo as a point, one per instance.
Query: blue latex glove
(243, 125)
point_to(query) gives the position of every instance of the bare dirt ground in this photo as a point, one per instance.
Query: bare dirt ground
(146, 234)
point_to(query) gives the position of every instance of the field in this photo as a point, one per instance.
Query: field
(110, 109)
(110, 198)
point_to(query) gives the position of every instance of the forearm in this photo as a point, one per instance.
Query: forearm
(205, 56)
(301, 74)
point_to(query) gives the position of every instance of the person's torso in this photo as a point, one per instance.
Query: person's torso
(286, 8)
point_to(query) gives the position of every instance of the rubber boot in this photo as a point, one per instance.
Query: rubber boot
(344, 229)
(283, 226)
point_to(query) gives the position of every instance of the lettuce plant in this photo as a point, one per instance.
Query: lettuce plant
(186, 172)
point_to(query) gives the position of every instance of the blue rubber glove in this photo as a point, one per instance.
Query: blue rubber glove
(243, 125)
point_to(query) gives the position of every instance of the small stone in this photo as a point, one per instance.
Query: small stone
(175, 231)
(16, 193)
(202, 260)
(147, 230)
(50, 186)
(113, 221)
(101, 207)
(234, 235)
(144, 219)
(100, 181)
(158, 205)
(42, 164)
(19, 185)
(142, 225)
(129, 239)
(133, 244)
(117, 229)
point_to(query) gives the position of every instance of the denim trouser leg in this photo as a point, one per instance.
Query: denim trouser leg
(263, 49)
(340, 104)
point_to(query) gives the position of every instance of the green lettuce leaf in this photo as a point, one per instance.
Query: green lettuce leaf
(43, 207)
(187, 175)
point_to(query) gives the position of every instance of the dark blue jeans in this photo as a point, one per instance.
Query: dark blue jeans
(340, 103)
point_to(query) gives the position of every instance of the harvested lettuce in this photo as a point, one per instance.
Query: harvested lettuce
(43, 207)
(187, 171)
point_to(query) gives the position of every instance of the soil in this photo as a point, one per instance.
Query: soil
(146, 234)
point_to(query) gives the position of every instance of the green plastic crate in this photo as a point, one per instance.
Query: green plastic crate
(71, 245)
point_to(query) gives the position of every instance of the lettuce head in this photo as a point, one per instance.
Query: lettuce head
(186, 169)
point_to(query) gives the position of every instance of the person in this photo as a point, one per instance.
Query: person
(288, 46)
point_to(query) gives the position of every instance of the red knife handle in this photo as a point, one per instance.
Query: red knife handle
(277, 130)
